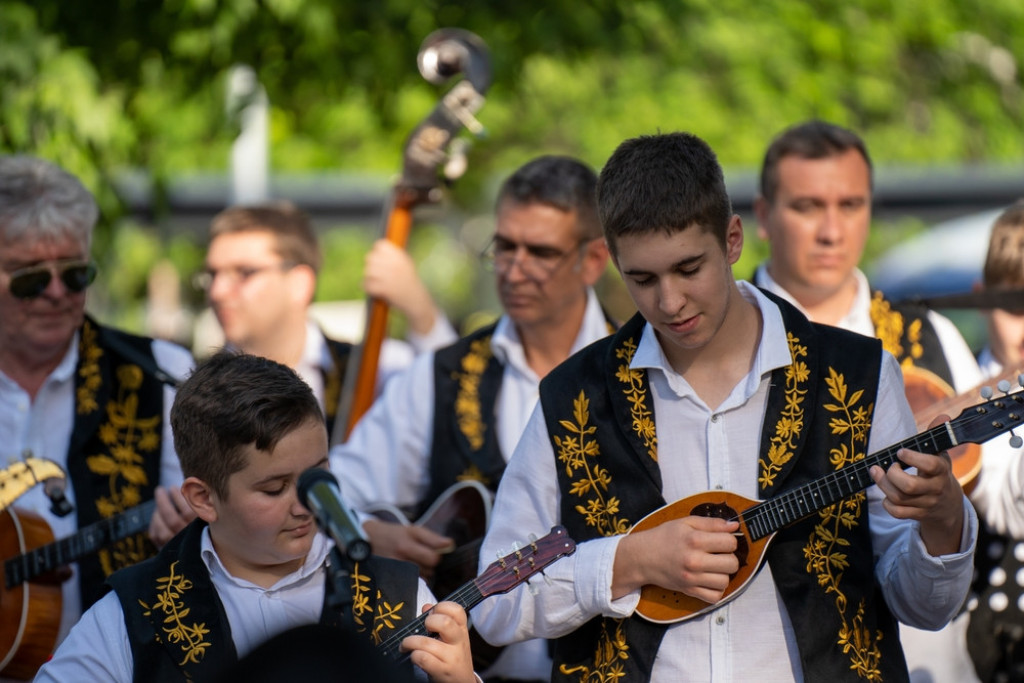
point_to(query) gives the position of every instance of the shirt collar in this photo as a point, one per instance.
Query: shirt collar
(857, 319)
(772, 351)
(508, 347)
(66, 369)
(314, 561)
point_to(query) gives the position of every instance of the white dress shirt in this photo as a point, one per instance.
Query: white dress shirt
(98, 648)
(41, 428)
(387, 457)
(749, 638)
(932, 657)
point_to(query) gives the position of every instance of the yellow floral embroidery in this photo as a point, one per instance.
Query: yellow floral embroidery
(385, 617)
(636, 394)
(190, 637)
(791, 421)
(360, 597)
(473, 473)
(467, 401)
(573, 452)
(827, 548)
(126, 434)
(386, 614)
(890, 327)
(611, 650)
(89, 352)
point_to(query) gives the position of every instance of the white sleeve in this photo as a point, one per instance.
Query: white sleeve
(921, 590)
(573, 589)
(177, 362)
(440, 335)
(386, 457)
(96, 649)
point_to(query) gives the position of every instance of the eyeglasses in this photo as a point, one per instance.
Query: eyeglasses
(237, 276)
(30, 282)
(537, 263)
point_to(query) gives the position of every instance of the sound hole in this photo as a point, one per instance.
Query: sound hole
(723, 511)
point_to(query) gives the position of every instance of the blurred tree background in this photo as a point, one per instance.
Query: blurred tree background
(107, 89)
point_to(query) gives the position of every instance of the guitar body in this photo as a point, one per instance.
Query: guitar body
(461, 513)
(29, 612)
(663, 606)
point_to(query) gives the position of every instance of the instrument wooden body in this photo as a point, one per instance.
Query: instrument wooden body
(500, 576)
(20, 476)
(444, 54)
(461, 513)
(760, 521)
(30, 606)
(29, 612)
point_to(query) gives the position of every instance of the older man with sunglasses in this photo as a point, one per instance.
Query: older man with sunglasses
(92, 399)
(457, 413)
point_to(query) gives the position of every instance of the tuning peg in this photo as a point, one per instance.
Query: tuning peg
(1020, 379)
(1015, 441)
(1004, 386)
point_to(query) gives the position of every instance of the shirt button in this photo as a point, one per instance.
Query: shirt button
(714, 418)
(719, 620)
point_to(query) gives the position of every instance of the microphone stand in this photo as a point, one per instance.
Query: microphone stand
(339, 597)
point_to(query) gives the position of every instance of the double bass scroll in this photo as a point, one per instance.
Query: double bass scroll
(427, 162)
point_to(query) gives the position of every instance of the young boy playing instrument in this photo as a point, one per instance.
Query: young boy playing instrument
(253, 565)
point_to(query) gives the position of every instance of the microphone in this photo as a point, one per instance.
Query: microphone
(318, 490)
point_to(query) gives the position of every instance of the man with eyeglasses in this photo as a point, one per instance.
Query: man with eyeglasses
(456, 414)
(260, 277)
(92, 399)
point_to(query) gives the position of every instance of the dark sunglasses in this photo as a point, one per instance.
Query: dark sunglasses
(28, 283)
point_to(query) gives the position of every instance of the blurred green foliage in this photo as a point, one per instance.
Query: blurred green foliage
(104, 88)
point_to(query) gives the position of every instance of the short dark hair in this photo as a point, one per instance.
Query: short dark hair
(1004, 265)
(296, 240)
(809, 140)
(233, 400)
(562, 182)
(666, 182)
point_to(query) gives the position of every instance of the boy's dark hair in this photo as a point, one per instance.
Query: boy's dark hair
(296, 240)
(1004, 265)
(562, 182)
(809, 140)
(666, 182)
(233, 400)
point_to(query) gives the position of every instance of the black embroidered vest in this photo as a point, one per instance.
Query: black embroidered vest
(178, 628)
(114, 452)
(907, 334)
(467, 378)
(334, 379)
(601, 420)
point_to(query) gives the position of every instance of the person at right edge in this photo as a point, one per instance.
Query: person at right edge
(718, 386)
(814, 208)
(995, 633)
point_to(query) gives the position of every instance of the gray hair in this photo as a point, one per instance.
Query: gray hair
(41, 201)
